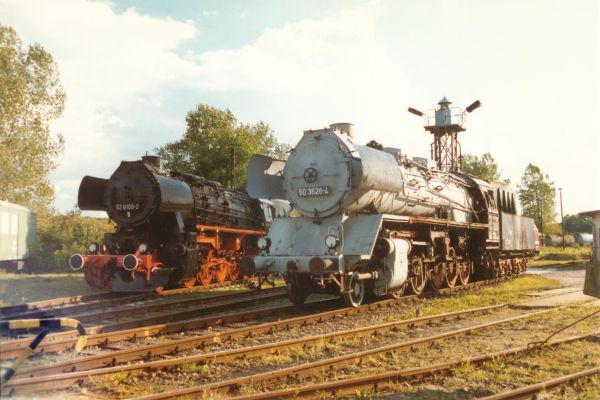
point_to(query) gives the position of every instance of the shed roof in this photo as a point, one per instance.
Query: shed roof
(590, 213)
(7, 204)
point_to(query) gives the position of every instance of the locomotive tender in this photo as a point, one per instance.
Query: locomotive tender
(173, 228)
(373, 221)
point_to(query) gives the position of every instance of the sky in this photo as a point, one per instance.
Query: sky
(133, 69)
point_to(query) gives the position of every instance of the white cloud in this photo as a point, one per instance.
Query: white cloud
(108, 62)
(119, 70)
(334, 68)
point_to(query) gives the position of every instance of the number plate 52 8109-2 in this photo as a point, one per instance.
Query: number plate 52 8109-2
(314, 191)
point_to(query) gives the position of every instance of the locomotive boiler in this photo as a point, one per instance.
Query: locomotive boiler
(374, 221)
(172, 228)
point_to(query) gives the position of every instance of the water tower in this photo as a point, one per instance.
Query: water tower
(444, 123)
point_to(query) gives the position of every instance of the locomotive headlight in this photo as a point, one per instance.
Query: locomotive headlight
(92, 248)
(331, 241)
(143, 247)
(263, 243)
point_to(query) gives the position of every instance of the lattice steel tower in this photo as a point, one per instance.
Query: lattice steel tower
(444, 122)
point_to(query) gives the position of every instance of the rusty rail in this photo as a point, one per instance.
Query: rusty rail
(65, 340)
(214, 304)
(528, 391)
(175, 346)
(45, 308)
(102, 339)
(48, 382)
(70, 305)
(351, 385)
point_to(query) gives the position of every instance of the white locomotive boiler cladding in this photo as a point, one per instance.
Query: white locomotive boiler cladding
(373, 221)
(173, 228)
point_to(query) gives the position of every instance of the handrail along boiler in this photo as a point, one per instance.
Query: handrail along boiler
(172, 228)
(375, 221)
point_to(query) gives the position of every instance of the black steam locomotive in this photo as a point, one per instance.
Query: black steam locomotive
(173, 228)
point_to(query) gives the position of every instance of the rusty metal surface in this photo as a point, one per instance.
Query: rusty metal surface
(71, 305)
(352, 385)
(307, 369)
(217, 337)
(528, 391)
(43, 308)
(47, 382)
(66, 340)
(516, 232)
(222, 303)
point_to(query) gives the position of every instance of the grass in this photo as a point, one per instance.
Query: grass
(500, 375)
(508, 292)
(556, 255)
(23, 288)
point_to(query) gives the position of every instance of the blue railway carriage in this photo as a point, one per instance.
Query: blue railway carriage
(17, 235)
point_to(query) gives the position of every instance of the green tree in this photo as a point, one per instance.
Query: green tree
(485, 168)
(211, 134)
(536, 195)
(578, 224)
(30, 97)
(60, 236)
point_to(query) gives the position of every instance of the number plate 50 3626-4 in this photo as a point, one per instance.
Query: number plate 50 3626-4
(314, 191)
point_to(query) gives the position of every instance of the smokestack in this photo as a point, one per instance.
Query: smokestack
(344, 127)
(153, 161)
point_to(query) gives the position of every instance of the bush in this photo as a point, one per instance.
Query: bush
(59, 236)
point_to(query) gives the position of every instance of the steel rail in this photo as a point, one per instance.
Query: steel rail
(351, 385)
(56, 381)
(175, 346)
(128, 310)
(203, 307)
(102, 339)
(43, 308)
(70, 305)
(65, 340)
(528, 391)
(299, 371)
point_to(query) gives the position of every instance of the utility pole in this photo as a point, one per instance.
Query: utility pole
(562, 220)
(232, 167)
(540, 212)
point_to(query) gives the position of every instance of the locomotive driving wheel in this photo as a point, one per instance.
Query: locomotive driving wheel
(221, 271)
(417, 277)
(464, 271)
(234, 272)
(205, 276)
(189, 282)
(354, 290)
(436, 275)
(451, 269)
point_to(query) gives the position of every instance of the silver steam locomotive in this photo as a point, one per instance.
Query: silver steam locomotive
(373, 221)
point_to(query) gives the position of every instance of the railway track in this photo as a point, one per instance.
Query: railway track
(373, 382)
(531, 390)
(66, 340)
(20, 384)
(129, 315)
(298, 372)
(68, 306)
